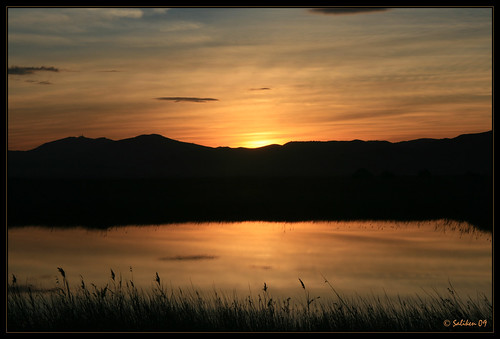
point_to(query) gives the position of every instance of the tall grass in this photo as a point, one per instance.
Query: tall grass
(120, 306)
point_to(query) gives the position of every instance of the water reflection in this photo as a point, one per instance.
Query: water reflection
(356, 257)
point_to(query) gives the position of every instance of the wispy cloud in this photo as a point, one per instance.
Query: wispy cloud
(347, 10)
(187, 99)
(177, 26)
(29, 70)
(160, 10)
(39, 82)
(261, 267)
(112, 13)
(191, 257)
(260, 89)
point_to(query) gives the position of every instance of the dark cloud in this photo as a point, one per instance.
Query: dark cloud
(260, 89)
(110, 71)
(186, 99)
(29, 70)
(261, 267)
(347, 10)
(39, 82)
(191, 257)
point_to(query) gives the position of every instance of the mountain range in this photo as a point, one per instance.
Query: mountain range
(151, 179)
(157, 156)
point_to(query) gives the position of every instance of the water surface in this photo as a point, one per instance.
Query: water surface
(358, 257)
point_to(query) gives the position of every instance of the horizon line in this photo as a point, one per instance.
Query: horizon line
(242, 147)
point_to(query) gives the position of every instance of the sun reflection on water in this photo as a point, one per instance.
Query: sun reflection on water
(368, 257)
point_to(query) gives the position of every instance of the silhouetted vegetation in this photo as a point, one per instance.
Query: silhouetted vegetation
(120, 306)
(151, 179)
(154, 156)
(108, 202)
(100, 183)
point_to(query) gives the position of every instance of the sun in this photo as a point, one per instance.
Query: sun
(260, 139)
(259, 143)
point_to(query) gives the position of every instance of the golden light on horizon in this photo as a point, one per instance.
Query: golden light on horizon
(259, 139)
(258, 143)
(253, 78)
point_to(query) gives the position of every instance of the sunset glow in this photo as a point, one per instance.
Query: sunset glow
(248, 77)
(238, 256)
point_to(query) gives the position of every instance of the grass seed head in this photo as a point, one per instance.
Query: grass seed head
(302, 283)
(62, 272)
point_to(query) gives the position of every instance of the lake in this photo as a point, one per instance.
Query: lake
(357, 257)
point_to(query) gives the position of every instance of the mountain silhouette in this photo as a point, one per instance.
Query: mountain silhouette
(150, 179)
(155, 156)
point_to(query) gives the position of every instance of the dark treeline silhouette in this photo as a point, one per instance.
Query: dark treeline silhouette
(157, 156)
(151, 180)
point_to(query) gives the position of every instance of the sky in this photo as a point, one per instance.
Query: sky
(247, 77)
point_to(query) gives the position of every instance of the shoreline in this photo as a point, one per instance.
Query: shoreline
(101, 203)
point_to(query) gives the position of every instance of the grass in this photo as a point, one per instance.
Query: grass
(120, 306)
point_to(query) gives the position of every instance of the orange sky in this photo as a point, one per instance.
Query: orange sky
(248, 76)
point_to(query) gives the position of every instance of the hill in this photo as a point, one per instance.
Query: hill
(154, 156)
(151, 179)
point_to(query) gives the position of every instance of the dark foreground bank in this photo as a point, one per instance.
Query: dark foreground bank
(120, 307)
(101, 203)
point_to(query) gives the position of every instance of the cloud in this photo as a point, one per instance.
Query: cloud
(177, 26)
(186, 99)
(39, 82)
(261, 267)
(39, 40)
(261, 89)
(113, 13)
(29, 70)
(347, 10)
(160, 10)
(190, 257)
